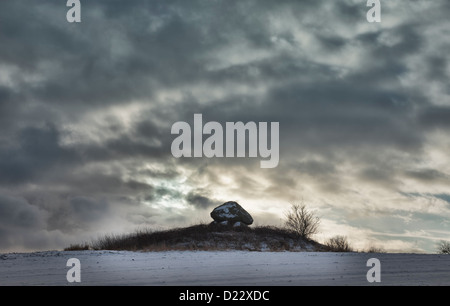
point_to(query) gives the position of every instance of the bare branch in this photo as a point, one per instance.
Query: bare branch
(301, 221)
(338, 244)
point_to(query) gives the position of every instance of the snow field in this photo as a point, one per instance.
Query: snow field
(224, 268)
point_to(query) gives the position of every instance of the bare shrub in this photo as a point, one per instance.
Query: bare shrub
(302, 221)
(375, 249)
(443, 247)
(338, 244)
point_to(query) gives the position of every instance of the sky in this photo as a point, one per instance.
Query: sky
(86, 111)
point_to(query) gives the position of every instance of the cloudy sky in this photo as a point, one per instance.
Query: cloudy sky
(86, 111)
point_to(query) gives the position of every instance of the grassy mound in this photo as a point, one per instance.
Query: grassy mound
(206, 237)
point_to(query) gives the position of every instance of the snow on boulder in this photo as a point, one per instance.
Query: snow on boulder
(231, 212)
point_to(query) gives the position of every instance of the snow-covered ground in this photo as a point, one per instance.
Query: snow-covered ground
(212, 268)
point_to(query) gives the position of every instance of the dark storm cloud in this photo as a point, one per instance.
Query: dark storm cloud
(90, 182)
(18, 221)
(435, 117)
(159, 47)
(87, 210)
(37, 150)
(332, 42)
(200, 199)
(84, 72)
(19, 213)
(428, 175)
(6, 106)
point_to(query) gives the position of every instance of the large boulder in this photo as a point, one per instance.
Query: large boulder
(231, 212)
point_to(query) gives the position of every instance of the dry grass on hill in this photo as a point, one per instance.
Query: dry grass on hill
(206, 237)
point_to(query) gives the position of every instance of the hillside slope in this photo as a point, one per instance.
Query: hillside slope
(207, 237)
